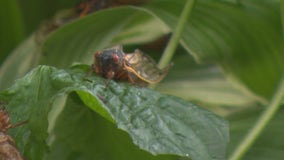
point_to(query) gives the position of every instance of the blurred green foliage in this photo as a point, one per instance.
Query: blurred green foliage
(240, 45)
(12, 29)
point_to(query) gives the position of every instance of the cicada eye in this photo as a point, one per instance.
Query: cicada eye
(115, 58)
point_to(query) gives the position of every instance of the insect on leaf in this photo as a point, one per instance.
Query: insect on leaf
(144, 67)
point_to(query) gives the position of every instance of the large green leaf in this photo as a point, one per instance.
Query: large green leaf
(89, 136)
(243, 38)
(28, 99)
(79, 40)
(205, 84)
(159, 124)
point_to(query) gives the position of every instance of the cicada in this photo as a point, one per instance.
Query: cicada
(8, 149)
(136, 68)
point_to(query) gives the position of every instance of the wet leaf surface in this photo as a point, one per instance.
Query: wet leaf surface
(157, 123)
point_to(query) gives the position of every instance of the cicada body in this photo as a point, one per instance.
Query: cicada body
(8, 149)
(136, 68)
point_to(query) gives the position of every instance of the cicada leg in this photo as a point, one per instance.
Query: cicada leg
(101, 98)
(18, 124)
(91, 70)
(130, 78)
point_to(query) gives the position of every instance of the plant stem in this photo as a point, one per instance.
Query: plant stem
(174, 41)
(261, 123)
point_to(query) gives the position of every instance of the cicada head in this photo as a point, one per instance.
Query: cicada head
(144, 67)
(109, 62)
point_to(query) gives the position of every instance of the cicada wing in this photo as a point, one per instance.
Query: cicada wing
(144, 67)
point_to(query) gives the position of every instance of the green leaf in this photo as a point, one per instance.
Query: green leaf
(28, 99)
(243, 38)
(79, 40)
(93, 137)
(205, 84)
(157, 123)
